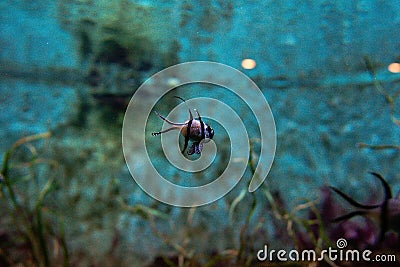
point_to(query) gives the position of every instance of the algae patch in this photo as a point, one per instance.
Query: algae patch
(121, 32)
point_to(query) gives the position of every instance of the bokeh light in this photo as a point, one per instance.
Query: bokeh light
(394, 67)
(248, 63)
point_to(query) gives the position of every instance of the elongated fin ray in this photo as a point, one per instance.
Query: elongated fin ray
(168, 121)
(350, 215)
(183, 100)
(190, 113)
(386, 187)
(384, 216)
(203, 134)
(164, 131)
(352, 201)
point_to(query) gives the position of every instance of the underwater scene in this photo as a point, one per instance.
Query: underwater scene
(199, 133)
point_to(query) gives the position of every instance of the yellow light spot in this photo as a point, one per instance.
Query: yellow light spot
(394, 67)
(248, 64)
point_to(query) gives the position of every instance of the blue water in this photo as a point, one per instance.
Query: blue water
(71, 67)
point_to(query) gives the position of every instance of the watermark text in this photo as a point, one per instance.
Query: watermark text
(333, 254)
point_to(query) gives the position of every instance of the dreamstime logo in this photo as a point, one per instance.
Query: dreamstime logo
(340, 253)
(151, 91)
(341, 243)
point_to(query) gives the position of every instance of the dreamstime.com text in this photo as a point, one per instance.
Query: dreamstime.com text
(333, 254)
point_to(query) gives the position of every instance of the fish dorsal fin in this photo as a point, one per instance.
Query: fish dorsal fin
(184, 101)
(203, 134)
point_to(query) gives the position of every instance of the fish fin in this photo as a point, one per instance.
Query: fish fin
(183, 100)
(203, 133)
(198, 147)
(349, 215)
(352, 201)
(192, 149)
(164, 131)
(187, 136)
(190, 113)
(383, 220)
(198, 114)
(168, 121)
(386, 187)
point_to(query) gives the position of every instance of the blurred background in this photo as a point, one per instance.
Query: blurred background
(328, 69)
